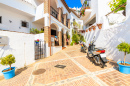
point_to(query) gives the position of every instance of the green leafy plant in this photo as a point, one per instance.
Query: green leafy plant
(36, 31)
(124, 47)
(72, 43)
(82, 12)
(8, 60)
(76, 37)
(85, 3)
(115, 4)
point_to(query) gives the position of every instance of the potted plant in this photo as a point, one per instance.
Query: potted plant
(83, 12)
(8, 60)
(124, 67)
(99, 26)
(87, 7)
(37, 41)
(86, 30)
(94, 27)
(89, 28)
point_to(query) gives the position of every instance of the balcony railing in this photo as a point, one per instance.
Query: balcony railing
(54, 13)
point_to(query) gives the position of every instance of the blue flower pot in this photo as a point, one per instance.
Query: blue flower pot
(37, 42)
(10, 74)
(124, 69)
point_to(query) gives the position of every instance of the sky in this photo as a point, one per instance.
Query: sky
(73, 3)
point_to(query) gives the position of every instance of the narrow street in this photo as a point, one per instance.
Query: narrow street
(75, 69)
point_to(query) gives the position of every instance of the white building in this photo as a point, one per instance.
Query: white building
(109, 36)
(22, 15)
(17, 17)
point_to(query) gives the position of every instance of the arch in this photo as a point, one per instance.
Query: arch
(54, 29)
(54, 25)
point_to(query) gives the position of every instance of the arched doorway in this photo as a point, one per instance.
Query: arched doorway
(54, 35)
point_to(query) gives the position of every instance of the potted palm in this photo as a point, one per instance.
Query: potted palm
(8, 60)
(124, 67)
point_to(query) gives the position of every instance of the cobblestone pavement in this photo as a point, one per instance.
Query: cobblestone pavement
(78, 71)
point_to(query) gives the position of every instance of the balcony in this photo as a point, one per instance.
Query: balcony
(54, 13)
(85, 9)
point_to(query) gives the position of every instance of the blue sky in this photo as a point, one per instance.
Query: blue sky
(73, 3)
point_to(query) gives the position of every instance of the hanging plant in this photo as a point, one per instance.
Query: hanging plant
(99, 26)
(82, 12)
(94, 27)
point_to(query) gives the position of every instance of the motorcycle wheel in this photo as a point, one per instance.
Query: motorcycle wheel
(95, 60)
(102, 64)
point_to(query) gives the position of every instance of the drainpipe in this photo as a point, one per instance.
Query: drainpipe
(50, 25)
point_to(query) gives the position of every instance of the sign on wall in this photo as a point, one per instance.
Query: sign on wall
(3, 40)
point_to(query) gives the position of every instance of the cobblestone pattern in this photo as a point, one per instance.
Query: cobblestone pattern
(82, 82)
(115, 78)
(19, 80)
(84, 61)
(54, 74)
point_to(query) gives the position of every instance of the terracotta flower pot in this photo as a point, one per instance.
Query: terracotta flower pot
(99, 26)
(86, 30)
(90, 29)
(94, 27)
(87, 7)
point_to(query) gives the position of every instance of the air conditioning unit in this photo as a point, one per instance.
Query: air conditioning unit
(3, 40)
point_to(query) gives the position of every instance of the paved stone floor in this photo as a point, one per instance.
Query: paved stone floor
(78, 71)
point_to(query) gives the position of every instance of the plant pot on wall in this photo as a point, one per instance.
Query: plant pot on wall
(99, 26)
(86, 30)
(94, 27)
(87, 7)
(90, 29)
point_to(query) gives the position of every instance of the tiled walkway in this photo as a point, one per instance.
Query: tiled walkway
(78, 71)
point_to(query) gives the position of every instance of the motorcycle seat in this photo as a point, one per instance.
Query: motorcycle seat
(96, 53)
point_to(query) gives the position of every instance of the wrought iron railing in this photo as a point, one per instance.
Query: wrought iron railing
(54, 13)
(62, 20)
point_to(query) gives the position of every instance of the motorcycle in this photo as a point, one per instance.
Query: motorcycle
(83, 47)
(97, 54)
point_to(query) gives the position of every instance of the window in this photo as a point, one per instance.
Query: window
(25, 24)
(0, 19)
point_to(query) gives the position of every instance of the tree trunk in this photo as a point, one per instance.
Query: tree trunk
(124, 58)
(10, 67)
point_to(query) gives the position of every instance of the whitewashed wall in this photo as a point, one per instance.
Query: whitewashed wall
(21, 45)
(16, 19)
(110, 36)
(20, 5)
